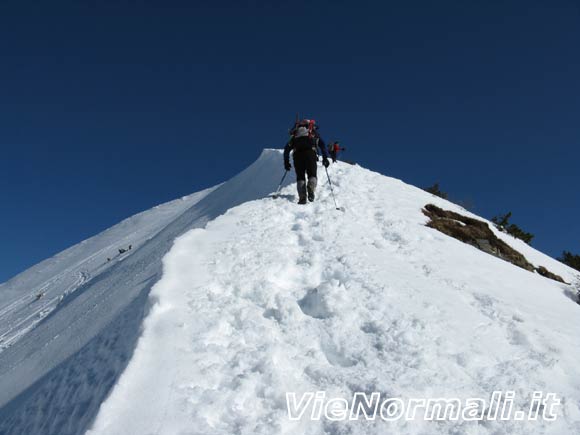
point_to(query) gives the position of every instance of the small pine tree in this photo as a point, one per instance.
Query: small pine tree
(570, 259)
(503, 224)
(434, 190)
(516, 231)
(502, 221)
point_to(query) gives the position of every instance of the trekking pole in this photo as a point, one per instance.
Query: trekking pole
(331, 189)
(280, 185)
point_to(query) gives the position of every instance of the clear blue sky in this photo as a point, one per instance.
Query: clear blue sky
(110, 107)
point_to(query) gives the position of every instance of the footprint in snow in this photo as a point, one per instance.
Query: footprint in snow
(378, 244)
(516, 337)
(314, 305)
(370, 328)
(334, 356)
(273, 314)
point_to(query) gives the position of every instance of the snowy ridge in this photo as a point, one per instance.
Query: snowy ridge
(273, 297)
(59, 276)
(64, 352)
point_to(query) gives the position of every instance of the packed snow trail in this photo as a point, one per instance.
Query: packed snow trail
(274, 297)
(61, 354)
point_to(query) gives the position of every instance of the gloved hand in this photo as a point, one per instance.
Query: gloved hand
(287, 166)
(325, 162)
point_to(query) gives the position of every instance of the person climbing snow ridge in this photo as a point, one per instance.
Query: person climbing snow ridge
(303, 143)
(333, 149)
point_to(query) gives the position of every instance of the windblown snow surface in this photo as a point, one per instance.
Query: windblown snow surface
(61, 354)
(274, 297)
(258, 297)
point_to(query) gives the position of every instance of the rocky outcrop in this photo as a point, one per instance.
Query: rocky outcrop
(478, 234)
(545, 272)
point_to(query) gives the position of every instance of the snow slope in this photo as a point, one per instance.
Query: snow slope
(59, 276)
(61, 354)
(273, 297)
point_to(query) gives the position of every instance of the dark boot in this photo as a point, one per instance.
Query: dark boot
(310, 195)
(301, 186)
(311, 188)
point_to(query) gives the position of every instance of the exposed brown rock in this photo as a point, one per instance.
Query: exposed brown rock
(478, 234)
(545, 272)
(474, 232)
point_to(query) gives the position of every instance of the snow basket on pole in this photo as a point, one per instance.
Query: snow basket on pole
(332, 190)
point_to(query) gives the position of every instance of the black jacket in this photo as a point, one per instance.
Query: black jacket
(304, 143)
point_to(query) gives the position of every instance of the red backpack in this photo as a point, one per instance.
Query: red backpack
(304, 127)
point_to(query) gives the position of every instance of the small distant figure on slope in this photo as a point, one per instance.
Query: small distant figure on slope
(304, 141)
(123, 250)
(333, 149)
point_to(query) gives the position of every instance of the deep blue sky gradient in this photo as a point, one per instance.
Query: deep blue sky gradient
(108, 108)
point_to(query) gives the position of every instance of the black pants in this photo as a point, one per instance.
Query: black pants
(305, 166)
(333, 156)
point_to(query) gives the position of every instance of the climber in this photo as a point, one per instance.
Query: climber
(333, 149)
(304, 141)
(123, 250)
